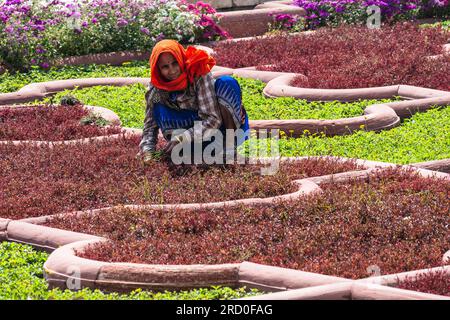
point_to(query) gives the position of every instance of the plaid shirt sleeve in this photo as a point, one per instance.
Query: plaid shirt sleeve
(150, 132)
(208, 108)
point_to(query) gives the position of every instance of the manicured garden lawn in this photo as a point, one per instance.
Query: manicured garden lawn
(21, 278)
(423, 137)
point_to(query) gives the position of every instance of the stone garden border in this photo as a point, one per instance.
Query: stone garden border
(349, 291)
(245, 23)
(63, 267)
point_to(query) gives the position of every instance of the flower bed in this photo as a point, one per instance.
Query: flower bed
(348, 57)
(333, 13)
(107, 173)
(52, 123)
(33, 33)
(395, 220)
(437, 282)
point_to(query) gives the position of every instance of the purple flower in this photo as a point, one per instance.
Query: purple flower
(145, 31)
(410, 6)
(75, 15)
(323, 13)
(122, 22)
(12, 2)
(160, 37)
(439, 3)
(94, 20)
(339, 9)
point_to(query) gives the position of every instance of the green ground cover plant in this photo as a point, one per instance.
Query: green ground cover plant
(443, 24)
(260, 108)
(423, 137)
(21, 278)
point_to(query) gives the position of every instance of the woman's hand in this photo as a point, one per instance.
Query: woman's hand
(169, 147)
(148, 156)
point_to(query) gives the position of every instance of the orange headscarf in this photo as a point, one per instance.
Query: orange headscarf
(193, 63)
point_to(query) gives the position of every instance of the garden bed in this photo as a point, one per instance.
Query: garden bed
(395, 220)
(386, 56)
(107, 173)
(437, 282)
(53, 123)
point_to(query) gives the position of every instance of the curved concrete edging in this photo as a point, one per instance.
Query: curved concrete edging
(349, 291)
(114, 279)
(129, 276)
(40, 90)
(435, 165)
(305, 186)
(392, 279)
(245, 23)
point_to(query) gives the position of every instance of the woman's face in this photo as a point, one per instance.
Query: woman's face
(168, 66)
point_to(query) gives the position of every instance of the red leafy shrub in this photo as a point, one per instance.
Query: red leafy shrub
(50, 123)
(349, 57)
(437, 282)
(37, 181)
(396, 220)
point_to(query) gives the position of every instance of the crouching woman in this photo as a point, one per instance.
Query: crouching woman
(182, 91)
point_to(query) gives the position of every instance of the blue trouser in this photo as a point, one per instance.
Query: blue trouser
(228, 94)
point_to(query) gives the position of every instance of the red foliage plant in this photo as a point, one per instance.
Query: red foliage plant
(395, 220)
(50, 123)
(36, 181)
(349, 56)
(437, 282)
